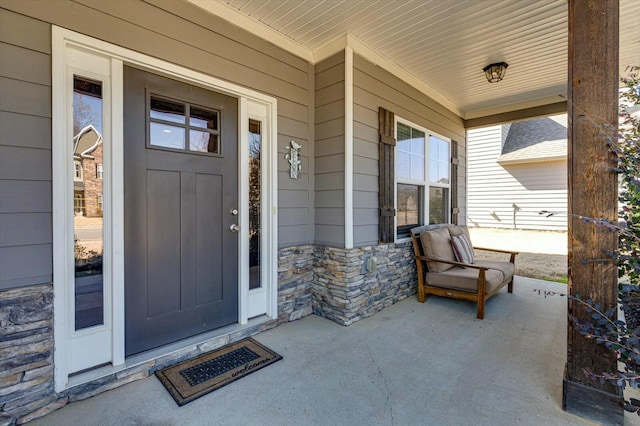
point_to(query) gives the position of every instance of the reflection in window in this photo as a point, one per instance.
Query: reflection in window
(438, 205)
(161, 109)
(203, 142)
(77, 170)
(410, 153)
(409, 208)
(438, 160)
(88, 202)
(167, 136)
(78, 203)
(182, 126)
(439, 165)
(255, 142)
(203, 118)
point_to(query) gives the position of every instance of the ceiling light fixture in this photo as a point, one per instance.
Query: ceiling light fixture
(495, 72)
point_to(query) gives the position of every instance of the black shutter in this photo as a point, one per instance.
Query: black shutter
(386, 173)
(454, 183)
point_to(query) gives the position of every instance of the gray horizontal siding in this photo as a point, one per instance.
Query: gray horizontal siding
(18, 163)
(25, 131)
(295, 216)
(22, 31)
(25, 265)
(181, 33)
(24, 64)
(493, 189)
(25, 151)
(25, 97)
(22, 229)
(329, 151)
(18, 196)
(330, 182)
(374, 88)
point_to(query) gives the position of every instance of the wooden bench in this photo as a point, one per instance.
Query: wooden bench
(475, 282)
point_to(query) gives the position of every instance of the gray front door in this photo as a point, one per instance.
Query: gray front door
(181, 190)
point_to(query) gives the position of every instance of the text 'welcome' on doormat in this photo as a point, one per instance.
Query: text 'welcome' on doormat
(196, 377)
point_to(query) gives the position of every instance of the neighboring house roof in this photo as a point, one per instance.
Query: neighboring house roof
(86, 141)
(533, 141)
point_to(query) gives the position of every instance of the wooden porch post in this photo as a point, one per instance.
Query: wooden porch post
(592, 99)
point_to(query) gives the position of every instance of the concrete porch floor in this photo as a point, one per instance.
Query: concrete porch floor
(410, 364)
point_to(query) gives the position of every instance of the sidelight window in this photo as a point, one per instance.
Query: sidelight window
(88, 232)
(255, 211)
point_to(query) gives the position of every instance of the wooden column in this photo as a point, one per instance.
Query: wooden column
(592, 102)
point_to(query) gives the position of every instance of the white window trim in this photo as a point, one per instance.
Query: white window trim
(62, 40)
(424, 183)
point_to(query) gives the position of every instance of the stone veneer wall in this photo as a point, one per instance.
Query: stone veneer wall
(344, 293)
(26, 354)
(26, 342)
(295, 281)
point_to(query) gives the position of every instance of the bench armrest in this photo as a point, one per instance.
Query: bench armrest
(496, 250)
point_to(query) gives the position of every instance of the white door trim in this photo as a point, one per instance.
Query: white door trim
(64, 41)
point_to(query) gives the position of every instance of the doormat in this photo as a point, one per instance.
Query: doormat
(196, 377)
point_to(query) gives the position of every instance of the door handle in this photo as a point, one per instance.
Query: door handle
(234, 228)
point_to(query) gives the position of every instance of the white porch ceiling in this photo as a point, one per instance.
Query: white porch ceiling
(439, 46)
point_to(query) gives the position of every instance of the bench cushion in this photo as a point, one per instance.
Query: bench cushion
(507, 268)
(437, 243)
(466, 279)
(462, 248)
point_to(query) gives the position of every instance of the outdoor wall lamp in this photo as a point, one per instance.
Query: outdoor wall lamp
(495, 72)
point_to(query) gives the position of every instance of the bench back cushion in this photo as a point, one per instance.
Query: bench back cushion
(456, 230)
(437, 243)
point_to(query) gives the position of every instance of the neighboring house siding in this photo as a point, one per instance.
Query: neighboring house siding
(373, 88)
(212, 46)
(25, 151)
(495, 188)
(329, 151)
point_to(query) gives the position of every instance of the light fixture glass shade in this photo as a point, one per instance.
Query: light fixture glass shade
(495, 72)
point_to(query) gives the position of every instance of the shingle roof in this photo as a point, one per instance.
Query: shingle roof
(542, 139)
